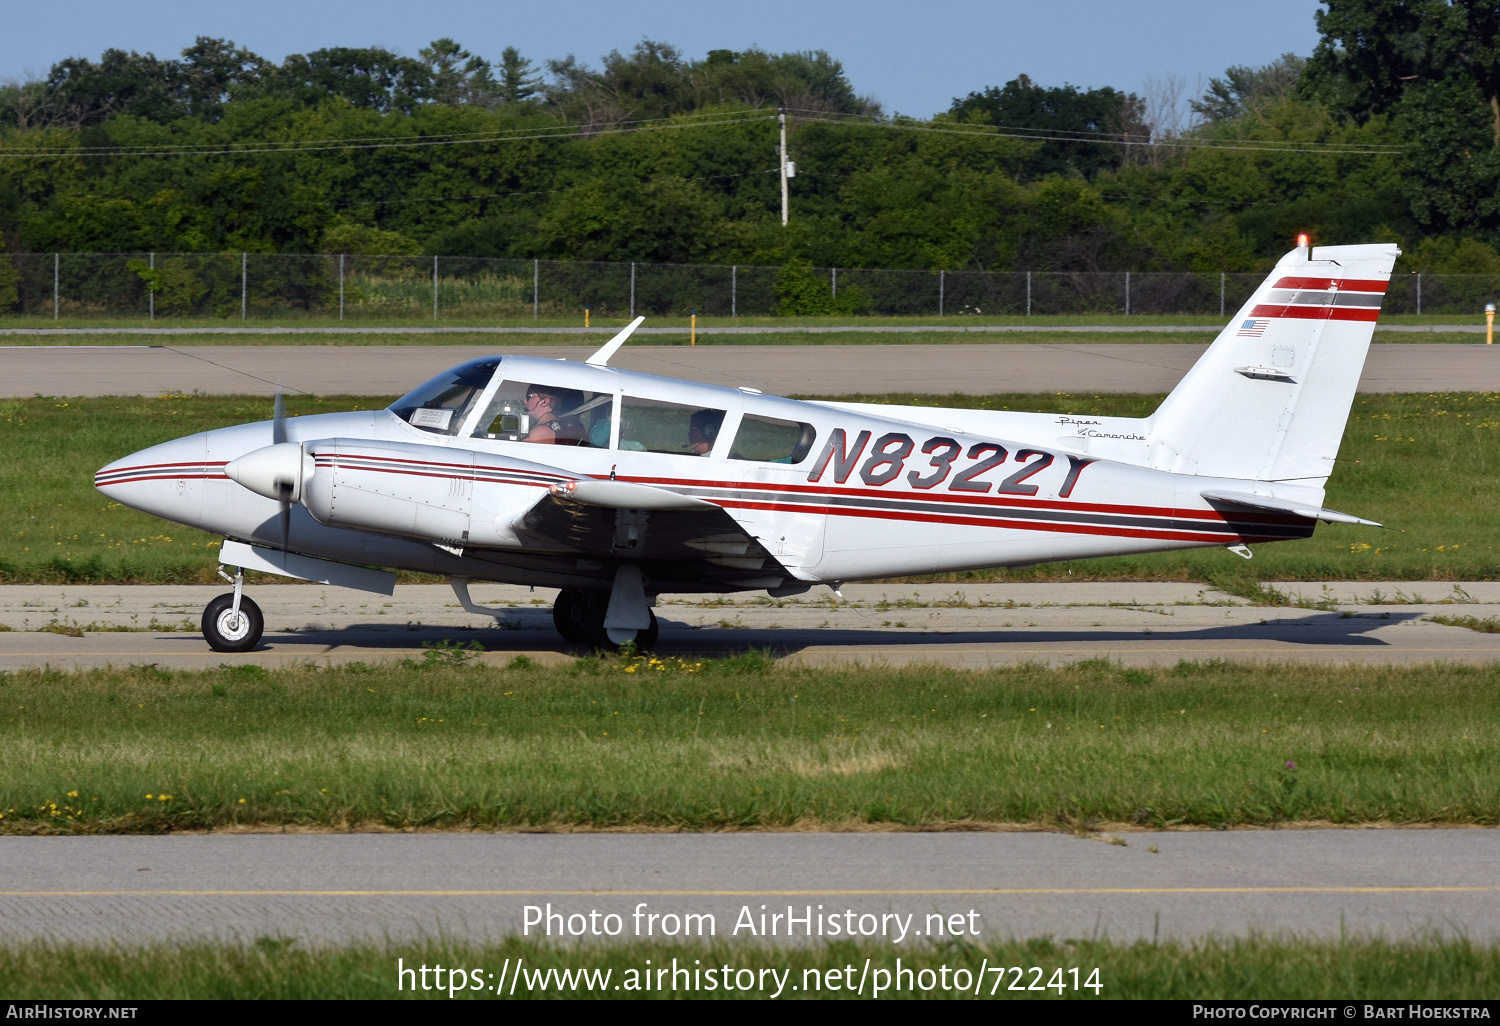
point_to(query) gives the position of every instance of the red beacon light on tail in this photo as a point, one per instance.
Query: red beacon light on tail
(1302, 242)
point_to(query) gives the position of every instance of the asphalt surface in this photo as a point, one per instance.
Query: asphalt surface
(832, 369)
(974, 626)
(399, 888)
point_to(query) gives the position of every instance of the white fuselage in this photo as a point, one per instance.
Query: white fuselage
(873, 496)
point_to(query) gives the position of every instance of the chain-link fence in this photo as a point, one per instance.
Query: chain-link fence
(281, 287)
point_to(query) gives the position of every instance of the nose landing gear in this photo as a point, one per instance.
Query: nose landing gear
(233, 622)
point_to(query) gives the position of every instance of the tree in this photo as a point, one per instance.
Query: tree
(1434, 67)
(211, 71)
(1380, 51)
(518, 83)
(1245, 90)
(121, 83)
(1067, 111)
(368, 77)
(456, 75)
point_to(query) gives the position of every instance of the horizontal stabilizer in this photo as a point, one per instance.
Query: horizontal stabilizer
(624, 495)
(1273, 505)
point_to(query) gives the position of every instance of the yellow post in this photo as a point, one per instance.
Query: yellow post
(1489, 324)
(585, 317)
(693, 338)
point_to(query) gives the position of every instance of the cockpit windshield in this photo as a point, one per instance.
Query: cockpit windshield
(442, 404)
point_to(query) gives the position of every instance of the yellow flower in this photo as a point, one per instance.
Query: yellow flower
(150, 796)
(242, 801)
(72, 794)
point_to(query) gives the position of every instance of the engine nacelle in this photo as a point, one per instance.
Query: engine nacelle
(451, 497)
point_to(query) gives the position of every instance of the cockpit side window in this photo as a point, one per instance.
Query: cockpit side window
(441, 405)
(529, 411)
(767, 440)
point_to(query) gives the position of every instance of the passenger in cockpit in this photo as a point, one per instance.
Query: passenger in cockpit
(703, 429)
(554, 416)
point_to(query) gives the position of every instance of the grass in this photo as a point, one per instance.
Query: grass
(1424, 464)
(744, 743)
(1485, 625)
(1255, 968)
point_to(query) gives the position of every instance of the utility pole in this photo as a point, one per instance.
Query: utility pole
(781, 119)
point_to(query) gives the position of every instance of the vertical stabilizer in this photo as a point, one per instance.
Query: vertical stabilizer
(1269, 399)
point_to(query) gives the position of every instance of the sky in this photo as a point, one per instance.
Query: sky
(914, 58)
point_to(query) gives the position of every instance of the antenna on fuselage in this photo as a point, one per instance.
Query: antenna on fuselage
(601, 358)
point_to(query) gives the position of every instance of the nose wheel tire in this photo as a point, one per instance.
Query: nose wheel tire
(226, 632)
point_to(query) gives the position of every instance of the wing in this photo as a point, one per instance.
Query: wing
(615, 520)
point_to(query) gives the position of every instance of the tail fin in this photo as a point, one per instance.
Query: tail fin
(1269, 400)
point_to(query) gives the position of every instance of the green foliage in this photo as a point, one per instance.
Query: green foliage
(1246, 90)
(1434, 67)
(802, 292)
(1388, 134)
(1024, 105)
(345, 236)
(10, 296)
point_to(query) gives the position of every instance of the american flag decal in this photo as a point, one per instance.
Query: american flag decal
(1253, 328)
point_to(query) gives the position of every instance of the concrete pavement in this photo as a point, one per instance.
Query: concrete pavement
(973, 626)
(400, 888)
(784, 369)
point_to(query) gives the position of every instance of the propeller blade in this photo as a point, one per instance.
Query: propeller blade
(286, 521)
(278, 419)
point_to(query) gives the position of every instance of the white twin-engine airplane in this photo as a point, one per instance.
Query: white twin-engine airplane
(615, 486)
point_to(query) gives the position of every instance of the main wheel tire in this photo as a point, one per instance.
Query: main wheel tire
(644, 641)
(570, 616)
(226, 633)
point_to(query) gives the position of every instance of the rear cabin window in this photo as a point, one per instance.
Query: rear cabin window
(649, 425)
(766, 440)
(530, 411)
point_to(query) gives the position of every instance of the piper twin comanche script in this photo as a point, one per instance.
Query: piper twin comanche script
(615, 487)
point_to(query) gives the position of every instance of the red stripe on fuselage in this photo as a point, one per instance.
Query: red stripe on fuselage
(960, 500)
(1217, 538)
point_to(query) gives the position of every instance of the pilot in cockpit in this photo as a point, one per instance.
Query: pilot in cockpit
(554, 414)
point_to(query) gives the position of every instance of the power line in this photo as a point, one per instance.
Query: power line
(987, 132)
(571, 132)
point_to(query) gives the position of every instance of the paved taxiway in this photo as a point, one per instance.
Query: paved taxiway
(327, 888)
(974, 626)
(782, 369)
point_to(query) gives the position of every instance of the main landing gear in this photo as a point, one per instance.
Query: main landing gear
(233, 622)
(598, 619)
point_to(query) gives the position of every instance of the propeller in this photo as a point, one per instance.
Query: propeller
(284, 487)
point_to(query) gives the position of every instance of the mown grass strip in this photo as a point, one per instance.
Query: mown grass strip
(1424, 464)
(745, 743)
(1484, 625)
(1261, 968)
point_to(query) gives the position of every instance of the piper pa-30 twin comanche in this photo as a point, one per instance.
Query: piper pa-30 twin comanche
(615, 487)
